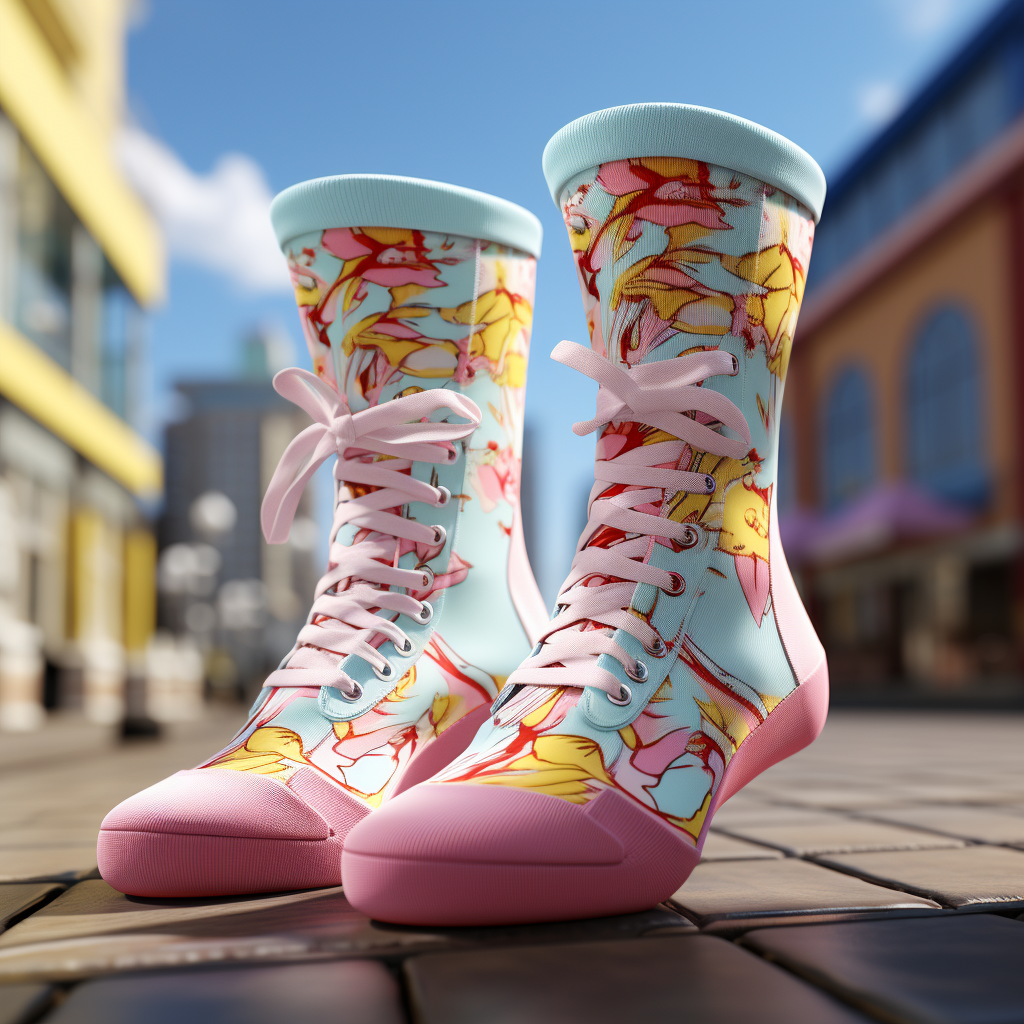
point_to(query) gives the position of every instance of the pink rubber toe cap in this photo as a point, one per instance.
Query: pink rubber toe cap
(218, 802)
(466, 822)
(467, 854)
(217, 832)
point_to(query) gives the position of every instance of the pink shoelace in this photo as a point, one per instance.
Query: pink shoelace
(594, 600)
(352, 596)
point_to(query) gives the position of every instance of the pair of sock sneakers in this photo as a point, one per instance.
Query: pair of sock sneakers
(574, 761)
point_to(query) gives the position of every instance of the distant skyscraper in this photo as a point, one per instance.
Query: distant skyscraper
(229, 441)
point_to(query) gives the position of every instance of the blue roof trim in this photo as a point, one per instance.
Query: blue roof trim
(945, 80)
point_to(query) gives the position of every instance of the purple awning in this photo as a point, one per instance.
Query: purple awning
(873, 522)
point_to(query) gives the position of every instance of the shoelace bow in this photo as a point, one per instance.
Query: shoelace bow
(351, 597)
(601, 581)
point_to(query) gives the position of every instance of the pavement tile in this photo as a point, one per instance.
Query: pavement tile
(93, 929)
(845, 799)
(729, 891)
(16, 899)
(355, 991)
(47, 863)
(958, 878)
(982, 824)
(786, 789)
(836, 835)
(34, 834)
(21, 1004)
(958, 793)
(719, 846)
(656, 980)
(766, 813)
(936, 971)
(657, 921)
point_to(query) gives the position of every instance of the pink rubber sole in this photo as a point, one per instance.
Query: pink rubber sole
(438, 857)
(562, 862)
(203, 866)
(214, 832)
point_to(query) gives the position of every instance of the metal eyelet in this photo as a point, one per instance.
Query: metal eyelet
(692, 537)
(537, 648)
(657, 648)
(357, 692)
(426, 613)
(678, 585)
(440, 535)
(453, 454)
(445, 497)
(428, 577)
(735, 366)
(638, 673)
(709, 483)
(624, 697)
(406, 646)
(386, 673)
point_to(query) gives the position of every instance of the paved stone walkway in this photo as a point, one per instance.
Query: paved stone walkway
(878, 875)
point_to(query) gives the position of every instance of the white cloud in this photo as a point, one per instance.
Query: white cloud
(926, 17)
(220, 220)
(879, 101)
(923, 18)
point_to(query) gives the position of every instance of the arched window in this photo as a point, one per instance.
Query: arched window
(848, 452)
(944, 429)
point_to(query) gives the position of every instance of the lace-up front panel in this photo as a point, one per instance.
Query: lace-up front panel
(664, 652)
(355, 608)
(628, 511)
(419, 344)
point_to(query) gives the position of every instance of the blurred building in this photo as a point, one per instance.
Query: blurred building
(902, 495)
(245, 611)
(79, 258)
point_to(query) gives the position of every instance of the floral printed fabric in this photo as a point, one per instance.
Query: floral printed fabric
(675, 256)
(387, 312)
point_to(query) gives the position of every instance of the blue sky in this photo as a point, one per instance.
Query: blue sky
(252, 97)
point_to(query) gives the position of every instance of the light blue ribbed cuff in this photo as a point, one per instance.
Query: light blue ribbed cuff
(678, 129)
(387, 201)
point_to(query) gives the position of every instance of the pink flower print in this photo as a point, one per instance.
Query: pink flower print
(390, 257)
(668, 192)
(497, 479)
(654, 758)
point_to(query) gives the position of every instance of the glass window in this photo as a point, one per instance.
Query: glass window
(69, 300)
(944, 430)
(955, 126)
(848, 453)
(118, 317)
(45, 229)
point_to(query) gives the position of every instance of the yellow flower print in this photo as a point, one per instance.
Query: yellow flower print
(446, 711)
(744, 534)
(404, 689)
(401, 344)
(559, 765)
(769, 318)
(500, 345)
(709, 509)
(271, 750)
(745, 519)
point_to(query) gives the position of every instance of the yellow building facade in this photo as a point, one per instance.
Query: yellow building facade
(80, 259)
